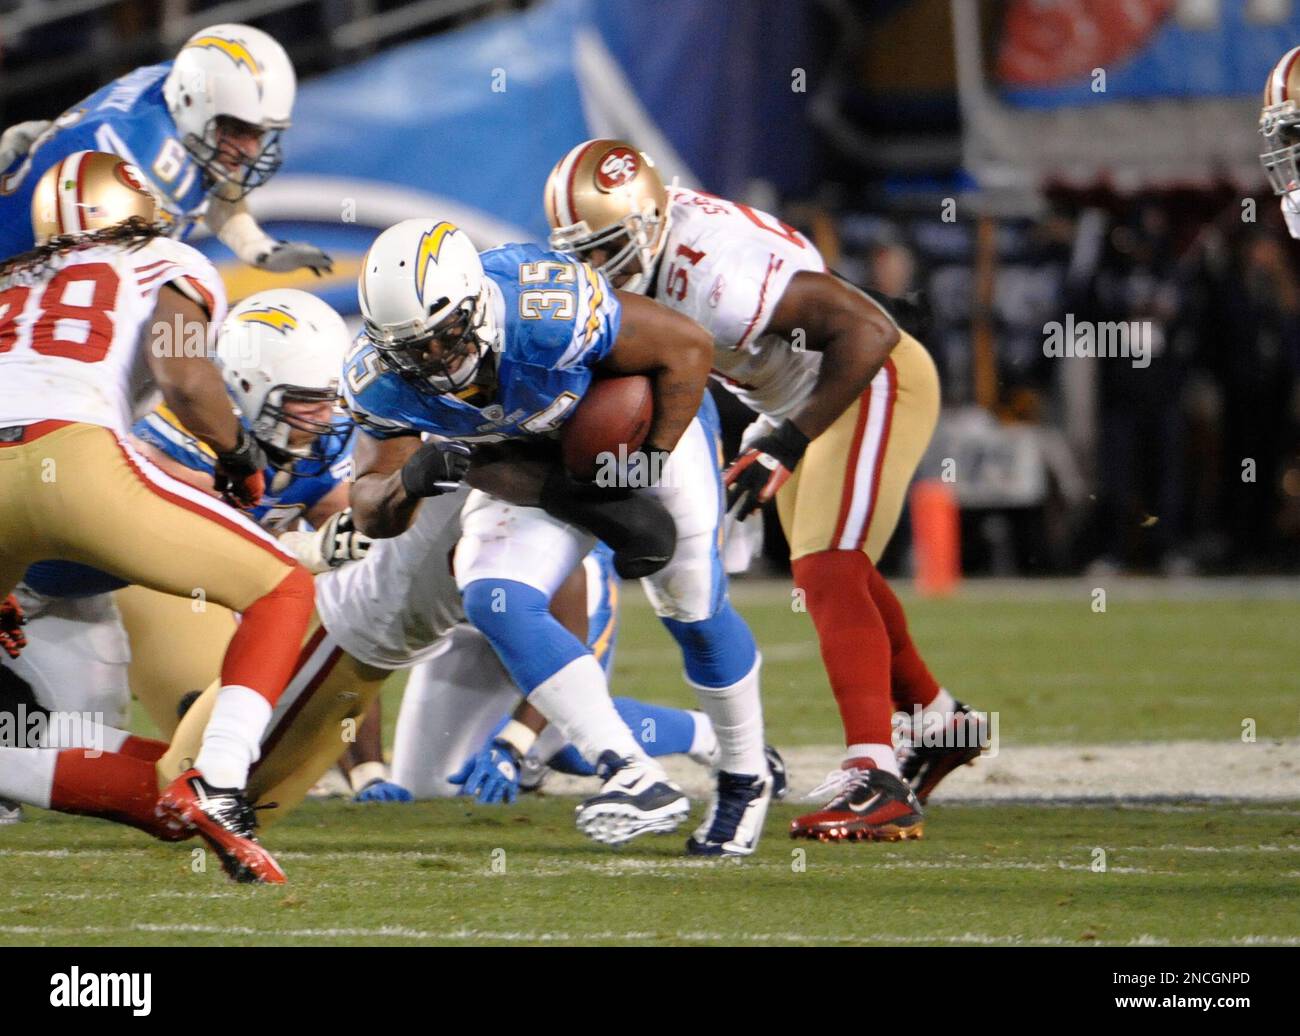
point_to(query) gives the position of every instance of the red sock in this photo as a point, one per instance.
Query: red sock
(909, 675)
(854, 641)
(111, 786)
(145, 748)
(262, 653)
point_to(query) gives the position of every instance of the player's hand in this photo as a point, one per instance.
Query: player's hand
(435, 468)
(12, 620)
(18, 139)
(239, 476)
(492, 776)
(286, 256)
(340, 540)
(380, 790)
(762, 469)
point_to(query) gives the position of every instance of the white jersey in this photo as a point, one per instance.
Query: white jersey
(726, 266)
(73, 337)
(390, 609)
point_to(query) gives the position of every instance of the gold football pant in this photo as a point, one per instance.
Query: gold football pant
(848, 491)
(176, 648)
(316, 718)
(77, 492)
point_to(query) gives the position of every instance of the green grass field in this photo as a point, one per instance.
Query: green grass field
(1153, 667)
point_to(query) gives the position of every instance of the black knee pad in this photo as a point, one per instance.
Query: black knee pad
(637, 527)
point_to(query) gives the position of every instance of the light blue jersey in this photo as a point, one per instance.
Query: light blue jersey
(128, 118)
(559, 318)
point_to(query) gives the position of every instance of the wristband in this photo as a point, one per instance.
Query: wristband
(518, 736)
(366, 773)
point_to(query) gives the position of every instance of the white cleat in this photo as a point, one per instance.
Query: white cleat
(636, 799)
(735, 818)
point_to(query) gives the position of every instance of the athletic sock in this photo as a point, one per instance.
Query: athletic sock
(723, 666)
(232, 740)
(704, 742)
(854, 641)
(27, 775)
(265, 648)
(882, 757)
(910, 678)
(577, 701)
(109, 786)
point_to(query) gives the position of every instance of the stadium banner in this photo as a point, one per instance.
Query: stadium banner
(467, 125)
(1051, 51)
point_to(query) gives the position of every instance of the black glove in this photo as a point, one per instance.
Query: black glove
(636, 526)
(435, 468)
(286, 256)
(239, 476)
(762, 468)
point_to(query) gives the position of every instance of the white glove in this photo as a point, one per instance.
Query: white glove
(284, 256)
(17, 140)
(337, 541)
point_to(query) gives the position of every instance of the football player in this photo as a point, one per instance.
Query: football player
(74, 364)
(1279, 125)
(280, 353)
(848, 403)
(502, 347)
(204, 130)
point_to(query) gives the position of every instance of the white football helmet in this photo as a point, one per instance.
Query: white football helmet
(422, 288)
(237, 72)
(286, 346)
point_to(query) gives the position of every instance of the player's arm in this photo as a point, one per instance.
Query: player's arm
(674, 352)
(181, 472)
(394, 474)
(232, 222)
(194, 391)
(853, 334)
(855, 337)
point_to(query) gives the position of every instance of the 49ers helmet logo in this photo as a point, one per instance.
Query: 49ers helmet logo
(617, 168)
(130, 176)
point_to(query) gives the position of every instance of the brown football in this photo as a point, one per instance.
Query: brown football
(615, 412)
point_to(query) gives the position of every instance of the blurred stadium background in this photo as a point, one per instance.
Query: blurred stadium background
(967, 156)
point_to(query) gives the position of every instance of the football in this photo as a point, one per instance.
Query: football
(614, 413)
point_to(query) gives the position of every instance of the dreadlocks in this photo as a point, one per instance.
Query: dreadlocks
(131, 233)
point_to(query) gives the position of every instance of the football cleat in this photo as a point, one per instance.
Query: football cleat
(225, 820)
(533, 774)
(10, 812)
(924, 766)
(636, 799)
(780, 779)
(735, 818)
(868, 805)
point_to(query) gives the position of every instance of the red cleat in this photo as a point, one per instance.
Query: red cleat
(869, 805)
(225, 820)
(923, 766)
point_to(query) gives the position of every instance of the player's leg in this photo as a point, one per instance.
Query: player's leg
(721, 658)
(939, 733)
(509, 563)
(103, 505)
(846, 464)
(177, 644)
(452, 703)
(319, 714)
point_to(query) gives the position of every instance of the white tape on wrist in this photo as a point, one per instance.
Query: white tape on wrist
(519, 736)
(364, 773)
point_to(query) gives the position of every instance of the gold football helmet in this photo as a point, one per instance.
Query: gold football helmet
(89, 191)
(1279, 123)
(606, 196)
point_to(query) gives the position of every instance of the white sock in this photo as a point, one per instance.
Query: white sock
(27, 775)
(943, 702)
(232, 740)
(882, 755)
(576, 700)
(548, 742)
(704, 742)
(736, 713)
